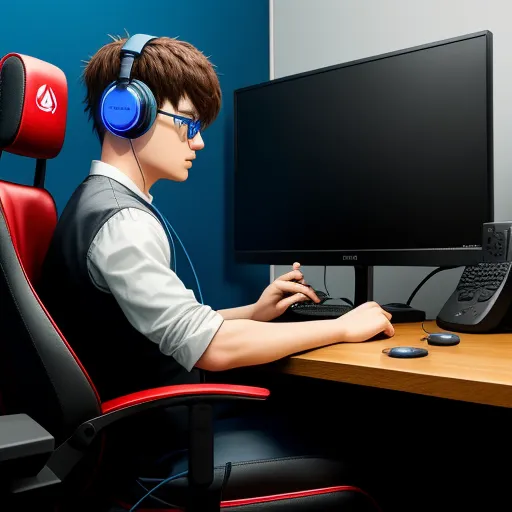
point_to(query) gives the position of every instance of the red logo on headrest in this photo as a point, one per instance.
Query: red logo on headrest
(45, 99)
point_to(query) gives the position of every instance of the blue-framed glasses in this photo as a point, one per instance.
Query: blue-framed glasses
(193, 127)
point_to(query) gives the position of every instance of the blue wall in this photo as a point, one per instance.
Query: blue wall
(234, 34)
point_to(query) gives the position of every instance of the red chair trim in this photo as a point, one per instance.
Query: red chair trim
(182, 390)
(289, 496)
(265, 499)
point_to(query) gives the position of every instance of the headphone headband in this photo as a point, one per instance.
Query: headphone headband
(132, 48)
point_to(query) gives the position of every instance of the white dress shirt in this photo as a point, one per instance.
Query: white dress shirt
(130, 258)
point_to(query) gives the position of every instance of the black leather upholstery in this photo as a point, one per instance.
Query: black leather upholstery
(38, 374)
(255, 456)
(12, 90)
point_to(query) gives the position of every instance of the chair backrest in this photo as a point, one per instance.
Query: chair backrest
(39, 373)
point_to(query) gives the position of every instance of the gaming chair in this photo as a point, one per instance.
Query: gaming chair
(53, 421)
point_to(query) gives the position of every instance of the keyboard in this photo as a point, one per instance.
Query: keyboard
(481, 281)
(319, 311)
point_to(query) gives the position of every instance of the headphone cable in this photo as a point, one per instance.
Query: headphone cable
(174, 263)
(163, 482)
(168, 228)
(138, 164)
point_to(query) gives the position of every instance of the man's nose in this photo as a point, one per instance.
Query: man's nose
(197, 142)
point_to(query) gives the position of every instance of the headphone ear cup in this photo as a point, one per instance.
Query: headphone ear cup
(121, 109)
(148, 107)
(127, 109)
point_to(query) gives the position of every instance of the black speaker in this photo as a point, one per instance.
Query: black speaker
(482, 299)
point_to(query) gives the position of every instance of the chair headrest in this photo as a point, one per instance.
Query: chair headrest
(33, 107)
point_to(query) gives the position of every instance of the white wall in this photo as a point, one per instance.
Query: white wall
(310, 34)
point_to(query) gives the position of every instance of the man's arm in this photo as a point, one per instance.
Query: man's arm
(130, 258)
(245, 342)
(240, 313)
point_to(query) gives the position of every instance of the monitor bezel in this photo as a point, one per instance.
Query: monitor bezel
(391, 257)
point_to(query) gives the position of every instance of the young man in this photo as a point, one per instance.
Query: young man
(107, 279)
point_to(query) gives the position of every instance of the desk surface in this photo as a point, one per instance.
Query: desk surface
(478, 369)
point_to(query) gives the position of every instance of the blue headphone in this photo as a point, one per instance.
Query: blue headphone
(128, 107)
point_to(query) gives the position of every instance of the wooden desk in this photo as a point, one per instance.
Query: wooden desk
(478, 369)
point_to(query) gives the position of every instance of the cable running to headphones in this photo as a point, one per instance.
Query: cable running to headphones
(168, 228)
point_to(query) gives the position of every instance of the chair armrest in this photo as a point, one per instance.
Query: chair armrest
(170, 396)
(25, 446)
(184, 391)
(71, 451)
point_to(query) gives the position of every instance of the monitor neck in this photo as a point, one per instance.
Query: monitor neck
(363, 284)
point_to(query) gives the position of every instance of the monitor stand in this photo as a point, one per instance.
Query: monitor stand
(363, 284)
(401, 313)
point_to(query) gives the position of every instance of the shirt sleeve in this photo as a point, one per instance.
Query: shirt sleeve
(130, 258)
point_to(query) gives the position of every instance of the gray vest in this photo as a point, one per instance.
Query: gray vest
(118, 358)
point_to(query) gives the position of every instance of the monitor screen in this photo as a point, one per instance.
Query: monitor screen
(383, 161)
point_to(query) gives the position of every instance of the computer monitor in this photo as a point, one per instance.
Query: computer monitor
(386, 160)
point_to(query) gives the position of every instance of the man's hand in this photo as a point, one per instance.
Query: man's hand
(281, 294)
(364, 322)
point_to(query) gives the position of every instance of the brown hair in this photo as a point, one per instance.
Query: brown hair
(169, 67)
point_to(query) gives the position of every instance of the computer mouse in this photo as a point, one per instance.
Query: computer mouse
(442, 339)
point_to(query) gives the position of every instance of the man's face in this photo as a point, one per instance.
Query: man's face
(165, 151)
